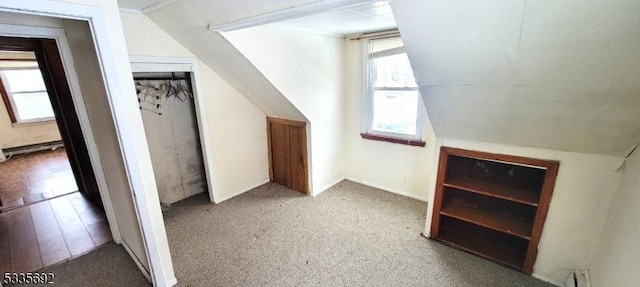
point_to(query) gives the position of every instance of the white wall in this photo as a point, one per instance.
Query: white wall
(307, 70)
(617, 263)
(581, 199)
(25, 134)
(393, 167)
(238, 128)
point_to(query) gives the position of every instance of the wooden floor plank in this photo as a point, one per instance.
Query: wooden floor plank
(5, 244)
(54, 250)
(44, 221)
(79, 242)
(68, 219)
(25, 252)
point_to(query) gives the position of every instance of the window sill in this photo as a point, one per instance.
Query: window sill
(33, 122)
(393, 140)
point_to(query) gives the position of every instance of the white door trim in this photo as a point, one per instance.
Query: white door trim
(173, 64)
(106, 26)
(81, 111)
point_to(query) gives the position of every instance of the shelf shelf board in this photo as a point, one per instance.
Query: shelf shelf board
(482, 247)
(497, 222)
(494, 190)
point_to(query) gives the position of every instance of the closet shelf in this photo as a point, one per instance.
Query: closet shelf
(493, 189)
(482, 247)
(499, 222)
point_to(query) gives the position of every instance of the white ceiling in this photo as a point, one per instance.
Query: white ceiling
(550, 74)
(139, 4)
(561, 75)
(369, 17)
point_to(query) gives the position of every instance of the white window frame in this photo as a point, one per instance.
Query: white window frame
(367, 101)
(12, 103)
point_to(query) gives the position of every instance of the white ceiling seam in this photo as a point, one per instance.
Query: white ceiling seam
(293, 12)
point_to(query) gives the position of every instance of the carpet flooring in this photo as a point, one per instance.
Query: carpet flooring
(350, 235)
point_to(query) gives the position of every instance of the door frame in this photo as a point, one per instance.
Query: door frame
(188, 65)
(58, 35)
(105, 23)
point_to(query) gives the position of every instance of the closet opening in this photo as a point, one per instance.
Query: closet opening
(168, 106)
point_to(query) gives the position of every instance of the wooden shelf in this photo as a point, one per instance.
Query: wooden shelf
(483, 247)
(495, 221)
(493, 190)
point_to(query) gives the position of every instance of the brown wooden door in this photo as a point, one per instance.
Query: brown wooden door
(288, 153)
(55, 79)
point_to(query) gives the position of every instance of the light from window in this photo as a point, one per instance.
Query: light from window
(27, 94)
(392, 97)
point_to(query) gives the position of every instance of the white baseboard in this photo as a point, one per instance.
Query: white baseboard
(219, 199)
(363, 182)
(547, 279)
(144, 270)
(324, 188)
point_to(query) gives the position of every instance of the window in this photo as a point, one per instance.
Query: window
(392, 107)
(24, 92)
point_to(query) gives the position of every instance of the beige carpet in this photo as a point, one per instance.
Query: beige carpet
(350, 235)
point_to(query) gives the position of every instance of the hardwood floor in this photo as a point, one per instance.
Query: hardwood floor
(47, 220)
(34, 177)
(50, 232)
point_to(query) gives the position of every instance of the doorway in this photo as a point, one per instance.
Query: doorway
(51, 207)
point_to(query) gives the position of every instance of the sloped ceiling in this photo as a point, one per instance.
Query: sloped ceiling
(563, 75)
(187, 22)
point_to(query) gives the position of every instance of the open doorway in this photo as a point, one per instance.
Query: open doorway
(50, 206)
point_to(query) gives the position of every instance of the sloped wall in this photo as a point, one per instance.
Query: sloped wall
(188, 26)
(307, 69)
(546, 74)
(616, 262)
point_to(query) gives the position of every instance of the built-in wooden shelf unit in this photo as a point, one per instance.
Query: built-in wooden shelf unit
(492, 205)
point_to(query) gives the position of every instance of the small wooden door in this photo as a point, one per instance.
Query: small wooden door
(288, 163)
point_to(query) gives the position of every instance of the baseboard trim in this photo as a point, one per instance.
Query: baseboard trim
(326, 187)
(144, 270)
(52, 145)
(547, 279)
(363, 182)
(219, 199)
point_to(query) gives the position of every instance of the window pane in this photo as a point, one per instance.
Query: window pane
(394, 71)
(24, 81)
(395, 111)
(33, 106)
